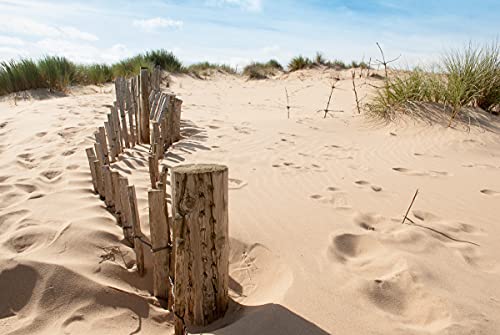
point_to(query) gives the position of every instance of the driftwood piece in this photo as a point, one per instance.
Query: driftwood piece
(201, 243)
(160, 244)
(144, 111)
(136, 229)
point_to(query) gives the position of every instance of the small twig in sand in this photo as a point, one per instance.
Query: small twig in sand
(409, 208)
(287, 103)
(355, 91)
(430, 228)
(326, 110)
(383, 61)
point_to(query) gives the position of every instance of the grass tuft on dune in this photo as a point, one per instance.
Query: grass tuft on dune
(464, 78)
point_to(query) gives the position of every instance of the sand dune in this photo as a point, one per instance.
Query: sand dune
(317, 244)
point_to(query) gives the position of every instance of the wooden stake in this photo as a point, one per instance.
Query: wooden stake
(111, 153)
(160, 246)
(200, 209)
(91, 158)
(144, 111)
(115, 179)
(101, 137)
(126, 213)
(136, 228)
(153, 170)
(108, 187)
(176, 136)
(99, 178)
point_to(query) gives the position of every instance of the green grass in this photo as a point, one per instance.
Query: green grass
(57, 73)
(207, 68)
(466, 78)
(166, 60)
(258, 70)
(299, 63)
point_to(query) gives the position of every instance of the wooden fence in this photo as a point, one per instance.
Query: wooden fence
(190, 248)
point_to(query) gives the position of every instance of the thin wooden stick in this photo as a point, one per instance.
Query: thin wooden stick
(411, 204)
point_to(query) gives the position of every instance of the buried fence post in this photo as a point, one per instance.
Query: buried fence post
(201, 243)
(160, 242)
(136, 227)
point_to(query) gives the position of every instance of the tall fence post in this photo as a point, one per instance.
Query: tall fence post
(201, 243)
(144, 111)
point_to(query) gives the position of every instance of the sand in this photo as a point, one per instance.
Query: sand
(317, 244)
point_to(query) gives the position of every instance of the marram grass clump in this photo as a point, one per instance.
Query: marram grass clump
(465, 78)
(258, 70)
(207, 68)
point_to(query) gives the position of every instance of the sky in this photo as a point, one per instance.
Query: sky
(237, 32)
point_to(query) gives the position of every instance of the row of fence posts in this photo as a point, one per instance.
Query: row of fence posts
(190, 248)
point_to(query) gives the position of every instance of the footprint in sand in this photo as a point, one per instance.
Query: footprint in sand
(410, 172)
(490, 192)
(365, 183)
(51, 174)
(335, 198)
(236, 184)
(68, 153)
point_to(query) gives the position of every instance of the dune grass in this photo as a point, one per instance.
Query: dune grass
(465, 78)
(57, 73)
(207, 68)
(300, 62)
(257, 70)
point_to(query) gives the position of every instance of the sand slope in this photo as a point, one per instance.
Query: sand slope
(317, 244)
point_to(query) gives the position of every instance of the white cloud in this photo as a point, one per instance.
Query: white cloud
(25, 26)
(80, 52)
(7, 40)
(250, 5)
(156, 23)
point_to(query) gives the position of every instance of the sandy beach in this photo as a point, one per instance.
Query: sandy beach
(315, 214)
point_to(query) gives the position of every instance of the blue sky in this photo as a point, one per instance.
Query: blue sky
(239, 31)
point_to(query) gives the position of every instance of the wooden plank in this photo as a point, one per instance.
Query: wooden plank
(136, 226)
(160, 245)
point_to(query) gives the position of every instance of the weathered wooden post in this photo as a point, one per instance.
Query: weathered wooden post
(108, 187)
(115, 180)
(91, 158)
(154, 172)
(161, 246)
(201, 243)
(144, 111)
(125, 212)
(136, 226)
(176, 136)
